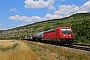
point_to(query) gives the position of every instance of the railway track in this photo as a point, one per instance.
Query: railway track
(81, 47)
(74, 46)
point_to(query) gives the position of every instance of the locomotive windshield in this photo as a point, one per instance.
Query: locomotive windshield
(66, 31)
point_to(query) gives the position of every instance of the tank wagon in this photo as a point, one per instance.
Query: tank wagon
(62, 35)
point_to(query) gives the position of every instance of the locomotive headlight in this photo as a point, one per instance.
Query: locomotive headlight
(69, 35)
(63, 35)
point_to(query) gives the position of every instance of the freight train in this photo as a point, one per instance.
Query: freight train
(60, 35)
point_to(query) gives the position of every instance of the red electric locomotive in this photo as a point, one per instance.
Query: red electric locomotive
(62, 35)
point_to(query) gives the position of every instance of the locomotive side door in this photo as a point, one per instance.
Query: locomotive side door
(58, 33)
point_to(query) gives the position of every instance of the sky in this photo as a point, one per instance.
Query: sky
(15, 13)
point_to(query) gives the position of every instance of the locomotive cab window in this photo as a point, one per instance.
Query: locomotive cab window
(66, 31)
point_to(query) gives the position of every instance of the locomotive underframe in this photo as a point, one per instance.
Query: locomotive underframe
(59, 41)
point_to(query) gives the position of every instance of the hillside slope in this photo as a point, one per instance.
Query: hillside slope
(79, 23)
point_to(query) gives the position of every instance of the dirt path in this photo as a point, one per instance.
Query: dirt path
(27, 53)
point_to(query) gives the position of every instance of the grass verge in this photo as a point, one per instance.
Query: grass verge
(47, 52)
